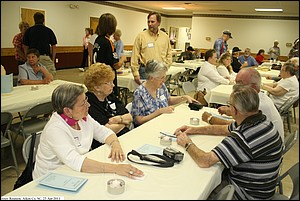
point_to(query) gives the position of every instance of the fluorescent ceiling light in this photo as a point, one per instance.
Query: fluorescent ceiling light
(269, 9)
(173, 8)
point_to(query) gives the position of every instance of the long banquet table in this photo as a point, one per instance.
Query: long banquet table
(184, 181)
(221, 93)
(126, 80)
(23, 97)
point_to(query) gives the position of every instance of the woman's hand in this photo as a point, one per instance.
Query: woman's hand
(190, 99)
(116, 153)
(128, 171)
(115, 120)
(168, 109)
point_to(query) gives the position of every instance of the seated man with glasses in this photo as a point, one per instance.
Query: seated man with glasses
(105, 107)
(251, 152)
(251, 77)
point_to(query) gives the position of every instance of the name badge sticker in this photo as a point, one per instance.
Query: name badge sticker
(162, 97)
(150, 45)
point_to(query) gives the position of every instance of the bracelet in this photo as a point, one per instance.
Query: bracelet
(121, 119)
(209, 119)
(187, 145)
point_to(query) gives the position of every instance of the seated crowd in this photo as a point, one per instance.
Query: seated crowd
(85, 120)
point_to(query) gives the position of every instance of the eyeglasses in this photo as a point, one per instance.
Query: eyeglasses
(230, 104)
(161, 78)
(84, 102)
(108, 83)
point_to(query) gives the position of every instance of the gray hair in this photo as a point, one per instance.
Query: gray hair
(118, 32)
(154, 68)
(244, 98)
(65, 95)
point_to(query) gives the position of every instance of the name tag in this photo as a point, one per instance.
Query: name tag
(162, 97)
(112, 106)
(150, 45)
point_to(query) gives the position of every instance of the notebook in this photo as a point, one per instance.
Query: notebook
(64, 182)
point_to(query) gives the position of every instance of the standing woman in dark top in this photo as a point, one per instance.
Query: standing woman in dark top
(104, 47)
(105, 107)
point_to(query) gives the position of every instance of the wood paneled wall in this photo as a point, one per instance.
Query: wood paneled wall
(69, 57)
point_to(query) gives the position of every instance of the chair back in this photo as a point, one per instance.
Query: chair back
(129, 108)
(293, 173)
(225, 194)
(188, 87)
(6, 119)
(289, 141)
(27, 144)
(287, 105)
(39, 109)
(34, 120)
(6, 140)
(195, 82)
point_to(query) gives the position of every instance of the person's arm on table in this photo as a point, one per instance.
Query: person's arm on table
(202, 158)
(210, 119)
(276, 91)
(173, 100)
(143, 119)
(203, 130)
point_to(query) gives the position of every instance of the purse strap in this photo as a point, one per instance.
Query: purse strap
(156, 159)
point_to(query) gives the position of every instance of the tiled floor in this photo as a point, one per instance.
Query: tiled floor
(9, 177)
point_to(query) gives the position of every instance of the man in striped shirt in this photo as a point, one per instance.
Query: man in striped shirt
(251, 152)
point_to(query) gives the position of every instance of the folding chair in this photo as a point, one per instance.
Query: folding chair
(6, 140)
(26, 146)
(129, 108)
(34, 120)
(293, 173)
(290, 140)
(285, 110)
(225, 194)
(188, 88)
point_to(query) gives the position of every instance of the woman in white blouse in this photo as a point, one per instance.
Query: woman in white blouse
(224, 67)
(208, 76)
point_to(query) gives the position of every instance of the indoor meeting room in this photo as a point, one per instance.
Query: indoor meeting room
(150, 100)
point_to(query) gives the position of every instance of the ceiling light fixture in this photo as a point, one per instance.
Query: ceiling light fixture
(268, 9)
(173, 8)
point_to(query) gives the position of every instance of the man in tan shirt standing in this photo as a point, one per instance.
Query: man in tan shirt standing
(150, 44)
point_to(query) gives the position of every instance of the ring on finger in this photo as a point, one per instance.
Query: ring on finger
(131, 172)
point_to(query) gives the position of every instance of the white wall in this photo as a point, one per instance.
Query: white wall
(69, 24)
(253, 33)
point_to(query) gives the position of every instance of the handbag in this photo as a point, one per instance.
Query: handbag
(26, 175)
(199, 96)
(151, 159)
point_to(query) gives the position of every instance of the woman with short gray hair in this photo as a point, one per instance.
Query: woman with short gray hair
(152, 98)
(68, 136)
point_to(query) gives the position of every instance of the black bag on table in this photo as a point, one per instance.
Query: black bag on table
(26, 175)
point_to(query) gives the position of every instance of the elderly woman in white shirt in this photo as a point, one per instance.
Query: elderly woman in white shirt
(224, 67)
(68, 136)
(286, 88)
(208, 76)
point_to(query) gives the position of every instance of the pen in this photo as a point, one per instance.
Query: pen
(168, 134)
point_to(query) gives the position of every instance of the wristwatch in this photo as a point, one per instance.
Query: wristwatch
(209, 119)
(187, 145)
